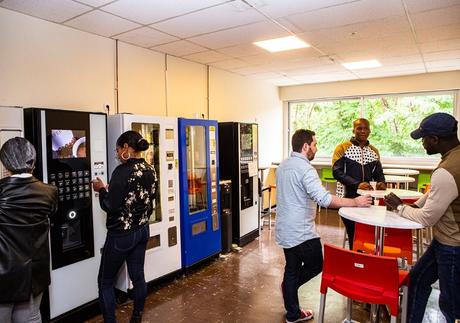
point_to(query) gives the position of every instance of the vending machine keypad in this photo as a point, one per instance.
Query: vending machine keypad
(72, 185)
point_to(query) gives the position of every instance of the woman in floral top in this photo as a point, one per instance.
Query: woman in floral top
(128, 201)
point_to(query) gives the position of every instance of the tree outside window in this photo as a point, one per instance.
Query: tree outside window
(392, 118)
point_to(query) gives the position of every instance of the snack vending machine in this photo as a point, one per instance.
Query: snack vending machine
(199, 190)
(71, 151)
(238, 146)
(11, 125)
(163, 255)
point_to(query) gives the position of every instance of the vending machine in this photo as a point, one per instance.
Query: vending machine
(163, 255)
(199, 190)
(238, 147)
(11, 125)
(71, 150)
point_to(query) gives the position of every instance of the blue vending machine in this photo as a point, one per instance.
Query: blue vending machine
(199, 190)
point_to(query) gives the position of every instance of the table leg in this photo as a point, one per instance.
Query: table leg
(270, 209)
(381, 240)
(419, 243)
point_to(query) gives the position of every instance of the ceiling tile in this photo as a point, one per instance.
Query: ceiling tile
(179, 48)
(208, 20)
(438, 33)
(145, 37)
(242, 50)
(435, 18)
(376, 29)
(265, 76)
(208, 56)
(150, 11)
(442, 55)
(394, 70)
(443, 66)
(326, 77)
(439, 45)
(318, 69)
(229, 64)
(349, 13)
(252, 70)
(101, 23)
(284, 81)
(95, 3)
(240, 35)
(277, 8)
(424, 5)
(52, 10)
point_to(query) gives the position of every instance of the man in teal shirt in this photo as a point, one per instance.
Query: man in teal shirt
(298, 190)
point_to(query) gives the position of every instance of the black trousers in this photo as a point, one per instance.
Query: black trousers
(303, 262)
(350, 228)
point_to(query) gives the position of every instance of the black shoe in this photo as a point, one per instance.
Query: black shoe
(136, 318)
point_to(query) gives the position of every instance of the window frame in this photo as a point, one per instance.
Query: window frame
(428, 162)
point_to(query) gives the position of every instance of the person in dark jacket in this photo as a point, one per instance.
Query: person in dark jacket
(355, 164)
(25, 207)
(128, 201)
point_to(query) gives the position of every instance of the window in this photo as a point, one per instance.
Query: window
(392, 118)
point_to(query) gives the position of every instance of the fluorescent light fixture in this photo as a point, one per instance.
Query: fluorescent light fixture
(362, 64)
(281, 44)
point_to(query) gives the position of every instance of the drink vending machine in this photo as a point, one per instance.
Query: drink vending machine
(11, 125)
(163, 255)
(71, 151)
(239, 162)
(199, 190)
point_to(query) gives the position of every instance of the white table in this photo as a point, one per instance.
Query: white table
(402, 194)
(398, 179)
(400, 171)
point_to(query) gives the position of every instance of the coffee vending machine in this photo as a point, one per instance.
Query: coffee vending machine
(71, 151)
(199, 190)
(239, 162)
(11, 125)
(163, 255)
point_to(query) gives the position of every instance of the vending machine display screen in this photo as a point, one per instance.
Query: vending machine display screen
(246, 140)
(68, 143)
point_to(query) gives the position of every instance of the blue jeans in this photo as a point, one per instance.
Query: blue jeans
(438, 262)
(117, 249)
(303, 262)
(28, 311)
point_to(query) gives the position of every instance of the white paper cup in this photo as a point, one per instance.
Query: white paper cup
(374, 185)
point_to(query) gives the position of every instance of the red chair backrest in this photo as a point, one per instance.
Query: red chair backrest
(363, 277)
(395, 238)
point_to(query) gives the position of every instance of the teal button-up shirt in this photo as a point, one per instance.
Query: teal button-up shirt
(298, 187)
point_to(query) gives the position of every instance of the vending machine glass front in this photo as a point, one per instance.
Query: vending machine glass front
(196, 168)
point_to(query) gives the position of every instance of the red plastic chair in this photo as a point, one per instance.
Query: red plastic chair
(397, 243)
(363, 277)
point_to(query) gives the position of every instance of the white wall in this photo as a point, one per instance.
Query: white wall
(44, 64)
(186, 88)
(141, 81)
(234, 98)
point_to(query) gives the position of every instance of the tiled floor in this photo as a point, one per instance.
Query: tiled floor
(244, 287)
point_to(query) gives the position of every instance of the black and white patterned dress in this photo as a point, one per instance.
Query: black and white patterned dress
(129, 200)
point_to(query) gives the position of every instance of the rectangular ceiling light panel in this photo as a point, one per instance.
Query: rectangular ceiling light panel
(282, 44)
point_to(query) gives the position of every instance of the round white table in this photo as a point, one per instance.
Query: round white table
(399, 179)
(400, 171)
(402, 194)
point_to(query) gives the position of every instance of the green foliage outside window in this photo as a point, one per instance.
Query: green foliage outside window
(392, 118)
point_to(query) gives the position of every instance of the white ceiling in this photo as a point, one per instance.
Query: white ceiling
(406, 36)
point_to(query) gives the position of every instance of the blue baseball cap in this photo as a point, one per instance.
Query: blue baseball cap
(437, 124)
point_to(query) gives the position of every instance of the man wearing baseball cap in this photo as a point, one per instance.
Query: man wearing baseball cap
(439, 208)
